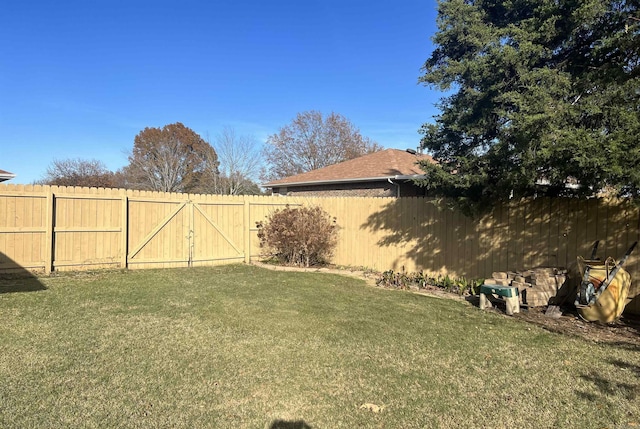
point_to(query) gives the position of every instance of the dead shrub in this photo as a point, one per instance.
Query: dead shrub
(300, 236)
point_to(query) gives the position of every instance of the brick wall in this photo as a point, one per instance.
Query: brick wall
(362, 189)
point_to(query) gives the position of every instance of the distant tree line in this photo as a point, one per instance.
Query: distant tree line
(175, 158)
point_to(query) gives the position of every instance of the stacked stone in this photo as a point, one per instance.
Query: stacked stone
(537, 287)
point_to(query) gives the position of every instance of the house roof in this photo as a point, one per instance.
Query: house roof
(383, 165)
(5, 175)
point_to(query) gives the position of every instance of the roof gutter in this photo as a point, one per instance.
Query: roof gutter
(359, 179)
(8, 176)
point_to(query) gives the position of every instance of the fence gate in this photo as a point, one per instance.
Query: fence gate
(217, 233)
(183, 233)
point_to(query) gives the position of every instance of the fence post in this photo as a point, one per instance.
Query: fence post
(48, 238)
(247, 231)
(124, 228)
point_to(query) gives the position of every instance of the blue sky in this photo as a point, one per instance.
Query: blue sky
(79, 79)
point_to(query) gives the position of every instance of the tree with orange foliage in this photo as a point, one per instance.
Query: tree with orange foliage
(173, 158)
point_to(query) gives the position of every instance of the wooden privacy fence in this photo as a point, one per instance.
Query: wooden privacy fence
(65, 228)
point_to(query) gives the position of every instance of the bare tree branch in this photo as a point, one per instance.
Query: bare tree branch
(311, 142)
(240, 161)
(79, 172)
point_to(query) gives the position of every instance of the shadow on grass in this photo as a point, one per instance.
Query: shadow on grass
(284, 424)
(632, 321)
(15, 278)
(617, 384)
(629, 366)
(609, 388)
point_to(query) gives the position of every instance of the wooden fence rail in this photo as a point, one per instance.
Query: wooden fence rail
(51, 228)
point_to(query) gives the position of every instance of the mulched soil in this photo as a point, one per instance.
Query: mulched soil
(624, 332)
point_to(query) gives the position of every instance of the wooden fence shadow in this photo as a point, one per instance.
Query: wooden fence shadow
(15, 278)
(430, 236)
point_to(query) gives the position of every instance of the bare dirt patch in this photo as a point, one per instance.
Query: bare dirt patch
(624, 331)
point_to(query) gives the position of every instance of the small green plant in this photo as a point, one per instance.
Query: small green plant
(470, 286)
(474, 286)
(448, 283)
(386, 279)
(438, 282)
(399, 280)
(462, 284)
(420, 280)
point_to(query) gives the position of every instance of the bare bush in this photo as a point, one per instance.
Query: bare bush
(301, 236)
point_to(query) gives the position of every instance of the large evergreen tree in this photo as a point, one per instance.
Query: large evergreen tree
(540, 92)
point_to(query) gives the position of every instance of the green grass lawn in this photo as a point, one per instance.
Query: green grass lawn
(243, 347)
